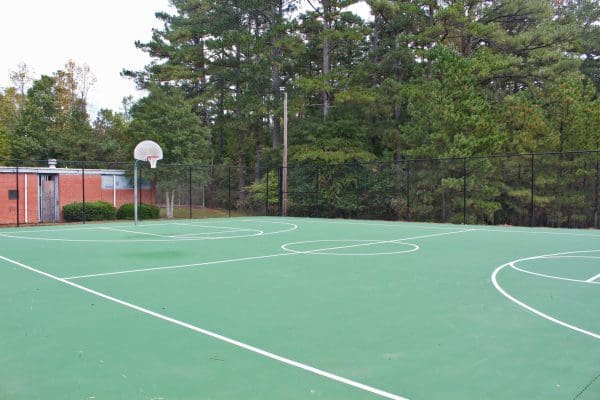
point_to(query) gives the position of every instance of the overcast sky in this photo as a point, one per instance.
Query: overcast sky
(45, 34)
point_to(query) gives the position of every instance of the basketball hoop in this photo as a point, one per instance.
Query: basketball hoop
(148, 151)
(152, 160)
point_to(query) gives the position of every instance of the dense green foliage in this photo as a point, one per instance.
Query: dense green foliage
(418, 79)
(90, 211)
(145, 211)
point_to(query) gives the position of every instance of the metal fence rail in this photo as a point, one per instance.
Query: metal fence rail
(542, 189)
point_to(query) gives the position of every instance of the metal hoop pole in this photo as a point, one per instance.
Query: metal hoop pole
(83, 193)
(464, 191)
(135, 192)
(18, 195)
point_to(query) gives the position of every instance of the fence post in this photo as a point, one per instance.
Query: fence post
(18, 194)
(596, 211)
(532, 190)
(229, 191)
(190, 189)
(357, 206)
(464, 190)
(267, 194)
(280, 184)
(83, 191)
(408, 190)
(318, 190)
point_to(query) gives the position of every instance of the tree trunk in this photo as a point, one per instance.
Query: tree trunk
(238, 115)
(221, 118)
(257, 161)
(276, 12)
(172, 203)
(168, 204)
(326, 62)
(242, 176)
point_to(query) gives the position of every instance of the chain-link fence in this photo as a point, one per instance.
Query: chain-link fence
(550, 189)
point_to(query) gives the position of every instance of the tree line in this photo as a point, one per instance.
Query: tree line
(418, 79)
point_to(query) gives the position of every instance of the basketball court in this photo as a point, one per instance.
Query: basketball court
(297, 308)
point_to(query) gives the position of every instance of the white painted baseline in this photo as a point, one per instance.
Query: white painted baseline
(214, 335)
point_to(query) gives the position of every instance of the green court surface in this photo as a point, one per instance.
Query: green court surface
(293, 308)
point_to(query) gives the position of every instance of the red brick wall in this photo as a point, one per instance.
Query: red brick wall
(148, 196)
(69, 191)
(8, 208)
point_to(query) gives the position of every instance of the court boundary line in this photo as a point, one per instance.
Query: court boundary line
(288, 253)
(166, 238)
(417, 225)
(535, 311)
(214, 335)
(420, 225)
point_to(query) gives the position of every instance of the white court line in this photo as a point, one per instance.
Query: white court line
(144, 224)
(371, 243)
(419, 225)
(592, 257)
(165, 239)
(559, 278)
(210, 226)
(90, 226)
(593, 278)
(214, 232)
(533, 232)
(390, 224)
(320, 252)
(132, 271)
(214, 335)
(137, 233)
(528, 307)
(317, 251)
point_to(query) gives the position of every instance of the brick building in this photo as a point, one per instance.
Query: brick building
(38, 195)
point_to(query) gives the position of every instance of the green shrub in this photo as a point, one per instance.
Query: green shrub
(94, 211)
(145, 211)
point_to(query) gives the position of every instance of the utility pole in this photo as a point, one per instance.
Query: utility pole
(285, 152)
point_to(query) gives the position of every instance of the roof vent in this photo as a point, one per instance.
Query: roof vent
(52, 163)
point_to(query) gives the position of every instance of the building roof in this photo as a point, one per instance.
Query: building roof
(61, 171)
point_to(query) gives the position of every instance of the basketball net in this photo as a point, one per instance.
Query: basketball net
(152, 160)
